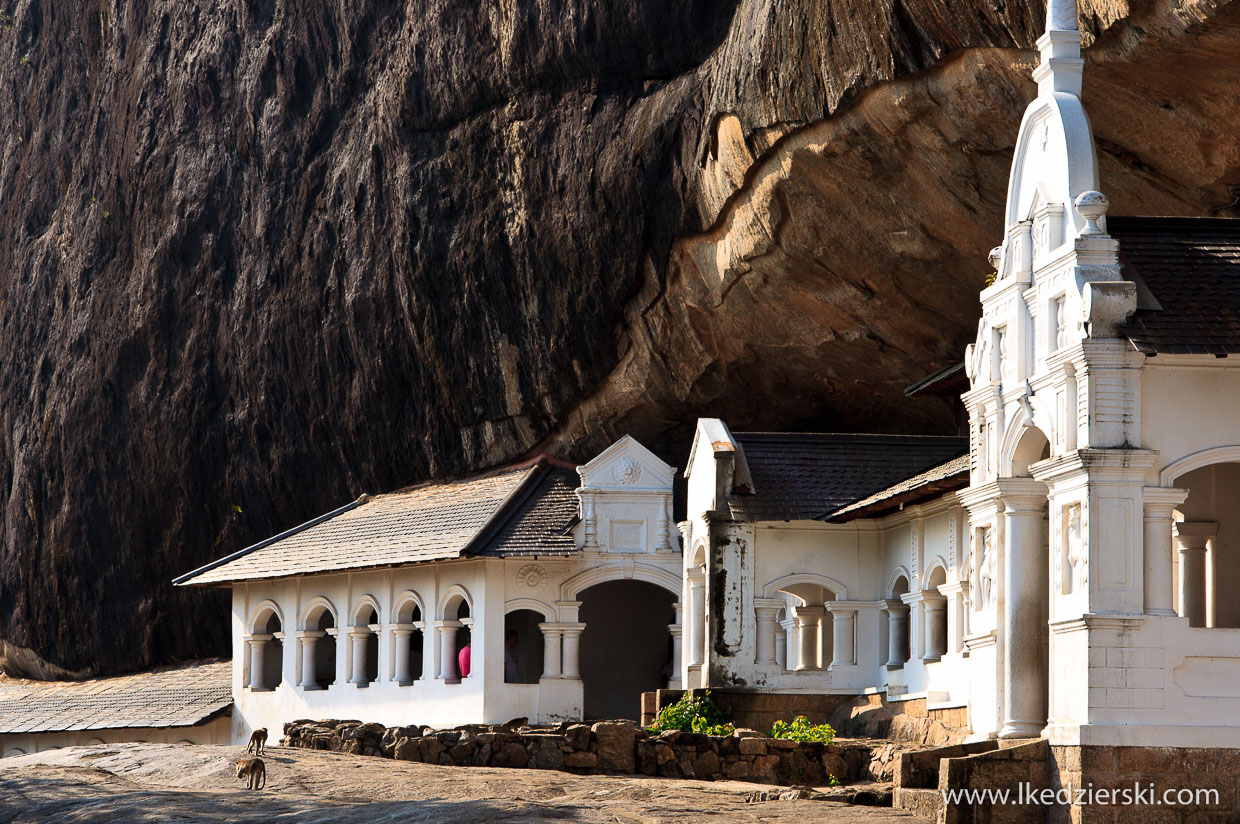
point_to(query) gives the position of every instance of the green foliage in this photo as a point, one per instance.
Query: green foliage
(694, 713)
(801, 730)
(991, 278)
(833, 781)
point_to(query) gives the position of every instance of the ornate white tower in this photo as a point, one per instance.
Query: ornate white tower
(1056, 476)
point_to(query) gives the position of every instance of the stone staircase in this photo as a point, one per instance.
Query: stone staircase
(922, 777)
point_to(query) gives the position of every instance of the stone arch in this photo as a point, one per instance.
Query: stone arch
(936, 564)
(570, 589)
(698, 557)
(893, 580)
(451, 602)
(404, 605)
(534, 605)
(1025, 445)
(359, 611)
(314, 610)
(1198, 460)
(12, 752)
(772, 589)
(261, 615)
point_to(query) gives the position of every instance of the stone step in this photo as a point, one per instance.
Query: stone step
(925, 803)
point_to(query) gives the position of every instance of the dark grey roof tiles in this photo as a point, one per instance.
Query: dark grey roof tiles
(1191, 268)
(808, 476)
(945, 477)
(176, 697)
(537, 525)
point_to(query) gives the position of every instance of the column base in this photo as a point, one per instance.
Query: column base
(312, 687)
(361, 685)
(260, 689)
(408, 683)
(1170, 613)
(1021, 729)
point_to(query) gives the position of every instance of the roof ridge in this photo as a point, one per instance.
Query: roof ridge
(828, 513)
(506, 510)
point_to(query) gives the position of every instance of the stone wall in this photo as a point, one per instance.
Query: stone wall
(603, 747)
(755, 710)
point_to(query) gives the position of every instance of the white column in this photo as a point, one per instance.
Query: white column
(674, 682)
(1159, 581)
(697, 619)
(936, 628)
(1024, 587)
(790, 643)
(662, 536)
(401, 633)
(897, 634)
(843, 623)
(1192, 537)
(589, 520)
(447, 651)
(357, 641)
(551, 650)
(572, 650)
(808, 618)
(257, 644)
(955, 595)
(766, 610)
(781, 646)
(309, 643)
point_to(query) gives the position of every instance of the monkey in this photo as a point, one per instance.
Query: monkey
(258, 741)
(253, 769)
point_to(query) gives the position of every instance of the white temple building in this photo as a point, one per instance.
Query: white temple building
(363, 612)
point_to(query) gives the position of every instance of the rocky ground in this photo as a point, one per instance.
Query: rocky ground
(163, 782)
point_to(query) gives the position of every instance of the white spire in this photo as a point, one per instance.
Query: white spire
(1060, 68)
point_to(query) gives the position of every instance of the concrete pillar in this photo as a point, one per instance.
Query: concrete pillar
(551, 650)
(447, 651)
(897, 634)
(766, 610)
(936, 628)
(843, 623)
(589, 519)
(697, 619)
(309, 643)
(1024, 590)
(808, 619)
(257, 644)
(357, 643)
(1159, 583)
(401, 633)
(1192, 537)
(790, 643)
(662, 541)
(956, 600)
(781, 646)
(572, 650)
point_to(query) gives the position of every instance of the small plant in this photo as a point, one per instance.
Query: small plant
(25, 61)
(833, 781)
(801, 730)
(991, 278)
(693, 713)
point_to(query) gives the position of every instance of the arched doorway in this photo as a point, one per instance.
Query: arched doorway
(1205, 563)
(321, 640)
(271, 669)
(523, 647)
(625, 647)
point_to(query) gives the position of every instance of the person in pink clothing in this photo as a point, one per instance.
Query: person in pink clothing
(462, 661)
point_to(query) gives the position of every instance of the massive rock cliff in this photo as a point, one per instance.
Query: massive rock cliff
(258, 256)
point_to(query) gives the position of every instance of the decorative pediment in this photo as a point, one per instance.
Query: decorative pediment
(626, 465)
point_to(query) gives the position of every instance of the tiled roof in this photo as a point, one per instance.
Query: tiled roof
(176, 697)
(539, 520)
(426, 523)
(804, 476)
(519, 511)
(945, 477)
(1188, 276)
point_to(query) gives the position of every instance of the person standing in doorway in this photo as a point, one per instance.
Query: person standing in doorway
(462, 661)
(512, 658)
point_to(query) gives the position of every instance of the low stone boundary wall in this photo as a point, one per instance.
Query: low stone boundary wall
(603, 747)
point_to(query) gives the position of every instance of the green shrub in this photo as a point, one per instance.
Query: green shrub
(694, 713)
(801, 730)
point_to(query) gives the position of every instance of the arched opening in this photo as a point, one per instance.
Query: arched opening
(898, 643)
(365, 645)
(1032, 447)
(12, 752)
(271, 655)
(936, 616)
(323, 671)
(624, 647)
(456, 642)
(811, 623)
(1206, 563)
(523, 647)
(409, 643)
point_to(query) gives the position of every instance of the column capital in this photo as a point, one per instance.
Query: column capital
(1022, 496)
(675, 630)
(310, 634)
(808, 612)
(896, 607)
(1161, 501)
(1194, 534)
(547, 628)
(846, 607)
(359, 633)
(259, 638)
(448, 624)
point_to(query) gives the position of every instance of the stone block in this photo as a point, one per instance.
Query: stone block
(707, 765)
(1148, 759)
(431, 748)
(835, 765)
(581, 760)
(743, 732)
(407, 749)
(752, 746)
(577, 736)
(763, 768)
(663, 753)
(647, 760)
(738, 770)
(614, 745)
(549, 760)
(781, 744)
(512, 754)
(463, 750)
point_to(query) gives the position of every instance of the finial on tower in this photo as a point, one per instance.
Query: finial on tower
(1092, 206)
(1060, 69)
